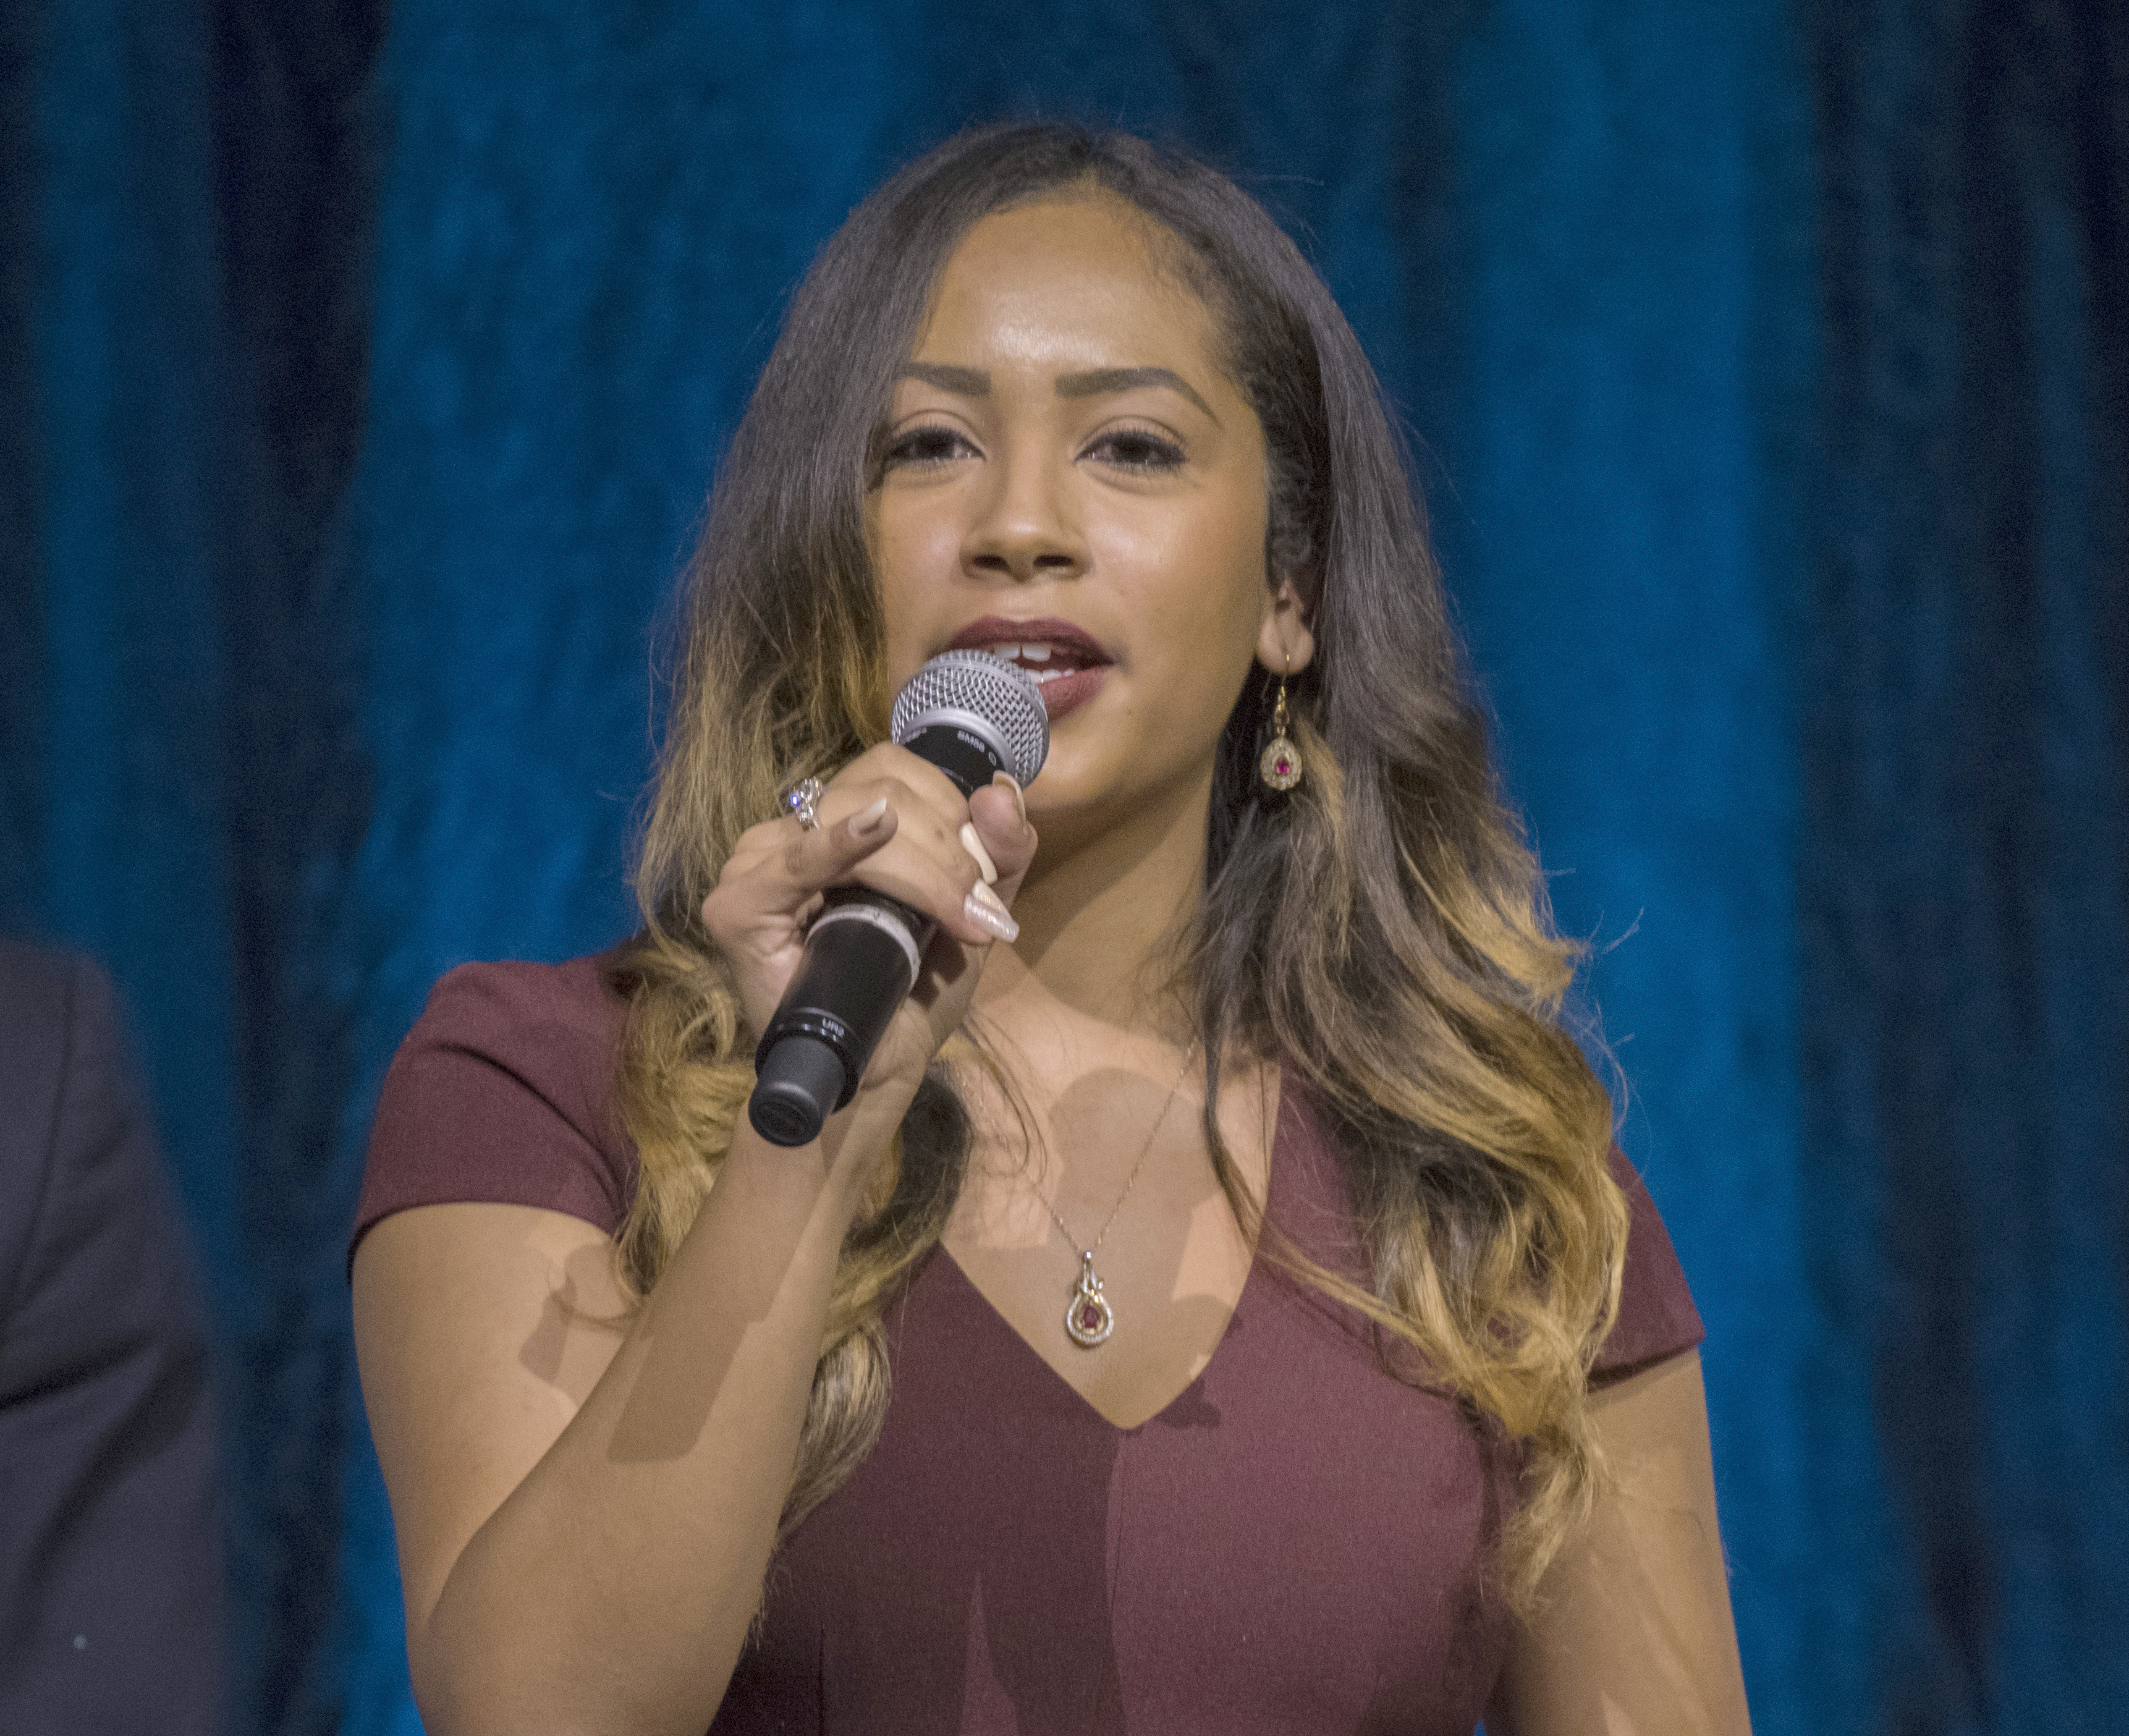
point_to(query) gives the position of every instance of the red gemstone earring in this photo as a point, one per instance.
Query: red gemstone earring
(1280, 764)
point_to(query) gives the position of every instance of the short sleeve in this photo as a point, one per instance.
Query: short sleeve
(504, 1093)
(1657, 1318)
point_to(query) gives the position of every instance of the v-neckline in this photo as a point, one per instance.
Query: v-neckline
(1190, 1387)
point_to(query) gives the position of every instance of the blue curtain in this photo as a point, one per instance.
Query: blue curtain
(359, 387)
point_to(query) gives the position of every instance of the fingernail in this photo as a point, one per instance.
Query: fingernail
(1012, 783)
(868, 821)
(974, 846)
(985, 910)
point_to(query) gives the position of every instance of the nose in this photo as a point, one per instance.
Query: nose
(1024, 528)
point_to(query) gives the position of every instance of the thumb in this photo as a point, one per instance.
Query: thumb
(999, 817)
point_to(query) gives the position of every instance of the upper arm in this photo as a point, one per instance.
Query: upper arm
(1633, 1635)
(480, 1329)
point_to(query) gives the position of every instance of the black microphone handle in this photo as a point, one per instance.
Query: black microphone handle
(859, 963)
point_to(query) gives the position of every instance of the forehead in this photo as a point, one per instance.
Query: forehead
(1076, 277)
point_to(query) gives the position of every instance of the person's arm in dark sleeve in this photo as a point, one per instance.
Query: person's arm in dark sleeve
(111, 1562)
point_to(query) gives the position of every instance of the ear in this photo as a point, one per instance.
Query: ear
(1285, 646)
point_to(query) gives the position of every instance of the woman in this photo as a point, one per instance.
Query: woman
(1386, 1419)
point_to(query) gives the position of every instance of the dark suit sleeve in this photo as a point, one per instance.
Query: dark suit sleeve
(109, 1551)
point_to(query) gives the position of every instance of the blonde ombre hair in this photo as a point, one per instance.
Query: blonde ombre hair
(1383, 932)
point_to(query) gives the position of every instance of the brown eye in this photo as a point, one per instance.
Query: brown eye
(1135, 449)
(928, 445)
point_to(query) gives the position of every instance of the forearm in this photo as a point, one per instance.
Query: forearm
(613, 1588)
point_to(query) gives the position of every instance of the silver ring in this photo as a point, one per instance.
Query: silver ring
(800, 798)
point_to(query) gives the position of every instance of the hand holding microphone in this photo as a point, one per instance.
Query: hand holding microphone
(828, 930)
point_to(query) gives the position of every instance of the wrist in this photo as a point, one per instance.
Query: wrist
(857, 1137)
(831, 1171)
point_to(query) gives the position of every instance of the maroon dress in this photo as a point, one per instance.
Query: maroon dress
(1298, 1544)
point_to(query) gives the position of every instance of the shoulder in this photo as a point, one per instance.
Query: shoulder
(34, 980)
(1656, 1319)
(505, 1091)
(549, 1020)
(97, 1293)
(39, 990)
(105, 1424)
(68, 1101)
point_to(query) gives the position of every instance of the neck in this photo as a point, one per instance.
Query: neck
(1099, 915)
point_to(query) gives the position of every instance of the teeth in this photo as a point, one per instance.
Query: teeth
(1032, 658)
(1043, 662)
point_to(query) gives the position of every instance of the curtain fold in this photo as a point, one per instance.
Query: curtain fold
(1964, 762)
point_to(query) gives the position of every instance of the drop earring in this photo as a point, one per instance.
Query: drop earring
(1280, 764)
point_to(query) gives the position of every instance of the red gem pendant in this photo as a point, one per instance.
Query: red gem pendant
(1088, 1319)
(1281, 766)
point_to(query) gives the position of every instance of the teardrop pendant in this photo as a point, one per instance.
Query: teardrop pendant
(1279, 765)
(1088, 1319)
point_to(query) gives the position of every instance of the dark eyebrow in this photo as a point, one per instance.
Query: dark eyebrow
(961, 381)
(1125, 379)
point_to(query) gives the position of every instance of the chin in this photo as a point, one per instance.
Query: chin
(1096, 790)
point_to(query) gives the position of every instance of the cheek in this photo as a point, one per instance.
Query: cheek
(1201, 589)
(914, 557)
(1203, 580)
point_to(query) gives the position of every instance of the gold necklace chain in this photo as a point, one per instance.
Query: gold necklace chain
(1089, 1318)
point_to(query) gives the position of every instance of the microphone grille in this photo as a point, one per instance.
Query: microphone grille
(1004, 694)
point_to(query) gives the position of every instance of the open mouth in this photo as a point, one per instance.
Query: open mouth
(1047, 650)
(1065, 661)
(1045, 661)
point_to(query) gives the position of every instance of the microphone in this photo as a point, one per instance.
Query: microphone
(970, 714)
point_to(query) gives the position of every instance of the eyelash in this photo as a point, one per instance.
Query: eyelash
(1128, 448)
(1154, 452)
(927, 446)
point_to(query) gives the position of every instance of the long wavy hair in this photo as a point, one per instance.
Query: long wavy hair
(1382, 931)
